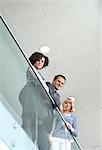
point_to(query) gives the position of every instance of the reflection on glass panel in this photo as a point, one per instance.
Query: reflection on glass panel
(25, 94)
(37, 111)
(3, 146)
(13, 67)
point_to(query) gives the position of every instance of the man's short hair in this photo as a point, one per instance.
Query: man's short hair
(62, 76)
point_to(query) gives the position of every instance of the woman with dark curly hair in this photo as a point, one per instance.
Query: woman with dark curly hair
(35, 104)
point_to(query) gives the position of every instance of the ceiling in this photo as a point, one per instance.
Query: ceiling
(71, 28)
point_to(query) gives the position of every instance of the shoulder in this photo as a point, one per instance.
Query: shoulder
(73, 116)
(48, 83)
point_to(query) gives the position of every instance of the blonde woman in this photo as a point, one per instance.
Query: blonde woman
(60, 136)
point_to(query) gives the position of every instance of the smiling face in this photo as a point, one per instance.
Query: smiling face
(58, 83)
(39, 63)
(68, 106)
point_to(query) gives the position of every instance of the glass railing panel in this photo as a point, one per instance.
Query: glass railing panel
(26, 94)
(12, 69)
(15, 88)
(75, 145)
(3, 145)
(11, 133)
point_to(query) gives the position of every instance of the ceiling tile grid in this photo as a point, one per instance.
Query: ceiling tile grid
(90, 11)
(77, 50)
(50, 4)
(62, 18)
(95, 37)
(19, 9)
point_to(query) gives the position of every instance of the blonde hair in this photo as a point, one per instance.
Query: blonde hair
(70, 100)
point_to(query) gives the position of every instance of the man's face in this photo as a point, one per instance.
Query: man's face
(58, 83)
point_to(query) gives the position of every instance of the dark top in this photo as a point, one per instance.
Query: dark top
(54, 95)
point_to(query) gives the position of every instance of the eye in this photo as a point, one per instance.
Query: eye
(42, 61)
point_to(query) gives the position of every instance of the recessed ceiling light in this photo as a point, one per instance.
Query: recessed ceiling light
(44, 49)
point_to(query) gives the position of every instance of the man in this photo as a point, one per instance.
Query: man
(57, 83)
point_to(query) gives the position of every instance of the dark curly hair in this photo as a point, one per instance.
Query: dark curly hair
(37, 56)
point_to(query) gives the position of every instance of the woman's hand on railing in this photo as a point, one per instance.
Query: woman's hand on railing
(70, 127)
(50, 137)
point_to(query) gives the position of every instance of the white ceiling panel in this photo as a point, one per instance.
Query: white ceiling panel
(33, 27)
(1, 7)
(89, 82)
(95, 37)
(3, 11)
(90, 11)
(89, 133)
(89, 119)
(18, 9)
(63, 18)
(87, 1)
(77, 51)
(48, 4)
